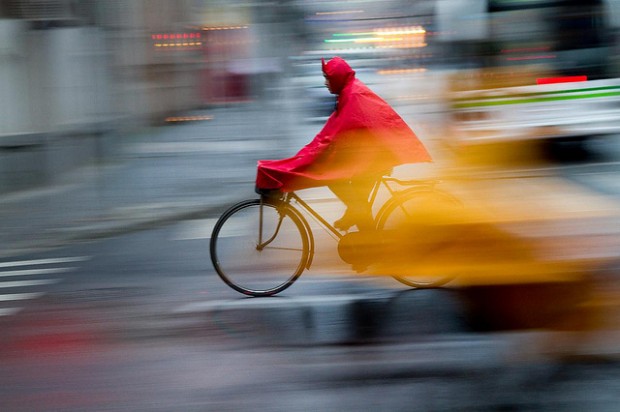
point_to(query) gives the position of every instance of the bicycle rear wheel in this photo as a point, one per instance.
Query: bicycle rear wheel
(259, 249)
(394, 222)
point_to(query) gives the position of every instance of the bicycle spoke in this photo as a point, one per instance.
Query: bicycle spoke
(284, 248)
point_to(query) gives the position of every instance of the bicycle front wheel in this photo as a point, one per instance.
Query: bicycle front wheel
(259, 248)
(395, 218)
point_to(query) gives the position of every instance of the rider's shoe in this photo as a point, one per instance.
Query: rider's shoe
(362, 218)
(345, 222)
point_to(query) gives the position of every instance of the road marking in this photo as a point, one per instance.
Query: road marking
(606, 181)
(25, 283)
(10, 297)
(20, 296)
(195, 229)
(9, 311)
(31, 272)
(44, 261)
(268, 303)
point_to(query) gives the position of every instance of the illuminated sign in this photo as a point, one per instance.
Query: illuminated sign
(392, 37)
(162, 41)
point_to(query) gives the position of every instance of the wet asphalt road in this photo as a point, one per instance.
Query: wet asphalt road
(104, 336)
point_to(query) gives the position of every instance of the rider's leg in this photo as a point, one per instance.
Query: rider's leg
(354, 194)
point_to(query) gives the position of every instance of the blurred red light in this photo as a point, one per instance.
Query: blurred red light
(563, 79)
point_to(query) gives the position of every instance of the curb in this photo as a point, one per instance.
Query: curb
(63, 237)
(331, 319)
(147, 221)
(139, 218)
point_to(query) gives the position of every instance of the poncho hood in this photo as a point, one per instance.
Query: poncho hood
(338, 72)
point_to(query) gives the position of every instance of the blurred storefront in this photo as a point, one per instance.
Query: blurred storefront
(55, 83)
(77, 74)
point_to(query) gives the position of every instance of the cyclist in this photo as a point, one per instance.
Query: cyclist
(362, 140)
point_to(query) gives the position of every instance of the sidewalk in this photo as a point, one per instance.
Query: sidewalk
(183, 170)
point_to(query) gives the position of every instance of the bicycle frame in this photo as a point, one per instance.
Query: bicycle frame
(292, 196)
(291, 206)
(314, 213)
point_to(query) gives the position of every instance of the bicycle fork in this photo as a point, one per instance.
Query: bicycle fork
(261, 245)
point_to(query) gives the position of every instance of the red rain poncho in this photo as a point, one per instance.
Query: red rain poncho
(363, 136)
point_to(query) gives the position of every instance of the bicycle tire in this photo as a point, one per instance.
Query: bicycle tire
(405, 203)
(255, 271)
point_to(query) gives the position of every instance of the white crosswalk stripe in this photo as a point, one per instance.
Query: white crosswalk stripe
(50, 261)
(195, 229)
(31, 272)
(26, 283)
(20, 296)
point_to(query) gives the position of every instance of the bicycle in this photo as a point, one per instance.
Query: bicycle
(260, 247)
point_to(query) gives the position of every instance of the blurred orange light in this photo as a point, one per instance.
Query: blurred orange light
(401, 71)
(188, 118)
(175, 40)
(225, 28)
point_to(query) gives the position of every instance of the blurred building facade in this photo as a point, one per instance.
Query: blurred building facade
(78, 75)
